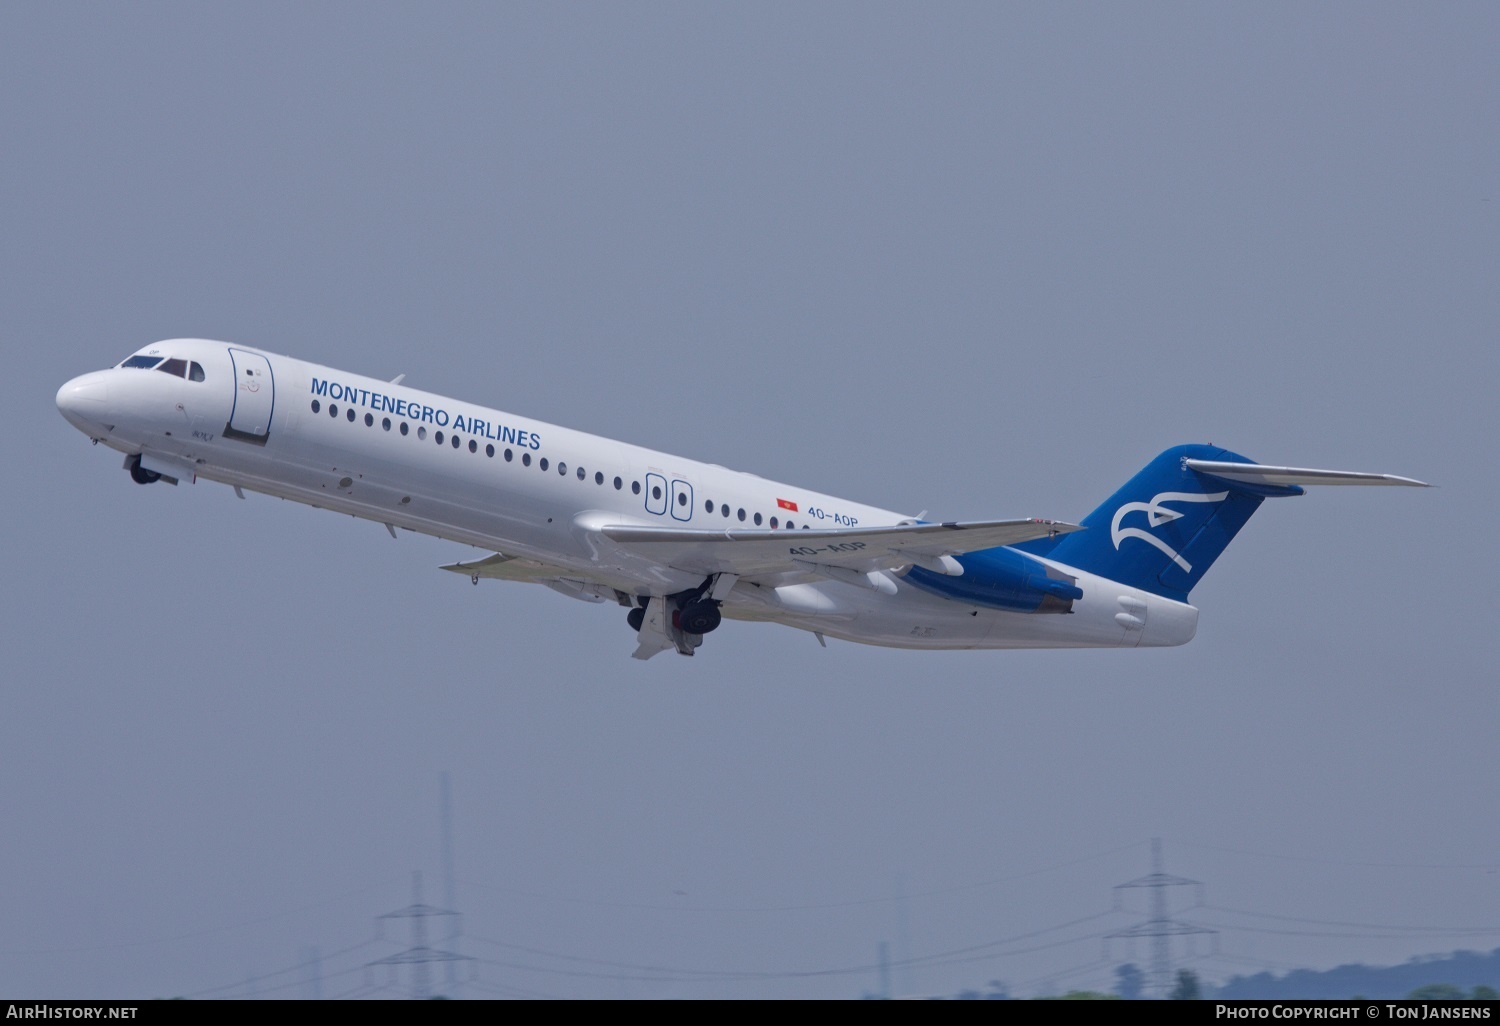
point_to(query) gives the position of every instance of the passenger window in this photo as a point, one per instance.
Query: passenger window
(369, 420)
(174, 366)
(773, 523)
(708, 506)
(507, 455)
(350, 414)
(386, 424)
(421, 432)
(618, 484)
(635, 487)
(581, 474)
(489, 450)
(439, 437)
(403, 427)
(562, 468)
(333, 410)
(757, 520)
(317, 406)
(682, 498)
(459, 441)
(195, 371)
(724, 509)
(598, 477)
(656, 491)
(525, 459)
(542, 463)
(742, 515)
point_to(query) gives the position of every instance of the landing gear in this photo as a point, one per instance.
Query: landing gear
(700, 616)
(692, 613)
(139, 474)
(679, 621)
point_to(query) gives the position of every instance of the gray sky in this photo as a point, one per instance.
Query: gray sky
(983, 259)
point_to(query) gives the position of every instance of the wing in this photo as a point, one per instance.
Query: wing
(513, 568)
(859, 549)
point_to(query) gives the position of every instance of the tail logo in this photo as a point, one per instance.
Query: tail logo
(1156, 515)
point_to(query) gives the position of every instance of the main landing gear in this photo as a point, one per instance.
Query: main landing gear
(693, 611)
(664, 622)
(700, 616)
(139, 474)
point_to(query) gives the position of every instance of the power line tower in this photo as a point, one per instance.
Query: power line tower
(419, 956)
(1161, 927)
(450, 967)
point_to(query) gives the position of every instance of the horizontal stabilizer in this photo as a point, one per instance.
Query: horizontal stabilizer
(1254, 473)
(1164, 528)
(865, 549)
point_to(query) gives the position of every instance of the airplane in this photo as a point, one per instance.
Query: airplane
(678, 543)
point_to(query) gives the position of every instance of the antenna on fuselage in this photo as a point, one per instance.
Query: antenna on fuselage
(398, 379)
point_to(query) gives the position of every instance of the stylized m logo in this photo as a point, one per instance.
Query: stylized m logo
(1156, 515)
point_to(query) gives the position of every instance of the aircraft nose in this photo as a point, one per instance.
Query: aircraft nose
(82, 401)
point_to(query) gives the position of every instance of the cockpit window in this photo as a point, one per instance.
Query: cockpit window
(174, 366)
(142, 361)
(195, 371)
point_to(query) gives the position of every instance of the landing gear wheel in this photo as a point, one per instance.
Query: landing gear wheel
(635, 618)
(140, 475)
(700, 617)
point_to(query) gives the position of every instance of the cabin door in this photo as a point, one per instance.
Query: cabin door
(254, 398)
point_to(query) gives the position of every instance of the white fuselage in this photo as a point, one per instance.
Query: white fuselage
(508, 484)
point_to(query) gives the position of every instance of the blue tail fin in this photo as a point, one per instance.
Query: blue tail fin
(1164, 529)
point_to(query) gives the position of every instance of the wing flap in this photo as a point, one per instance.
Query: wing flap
(864, 549)
(501, 567)
(571, 583)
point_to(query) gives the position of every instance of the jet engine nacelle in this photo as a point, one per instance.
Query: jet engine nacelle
(1003, 579)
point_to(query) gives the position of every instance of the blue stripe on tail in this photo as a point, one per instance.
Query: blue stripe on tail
(1164, 529)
